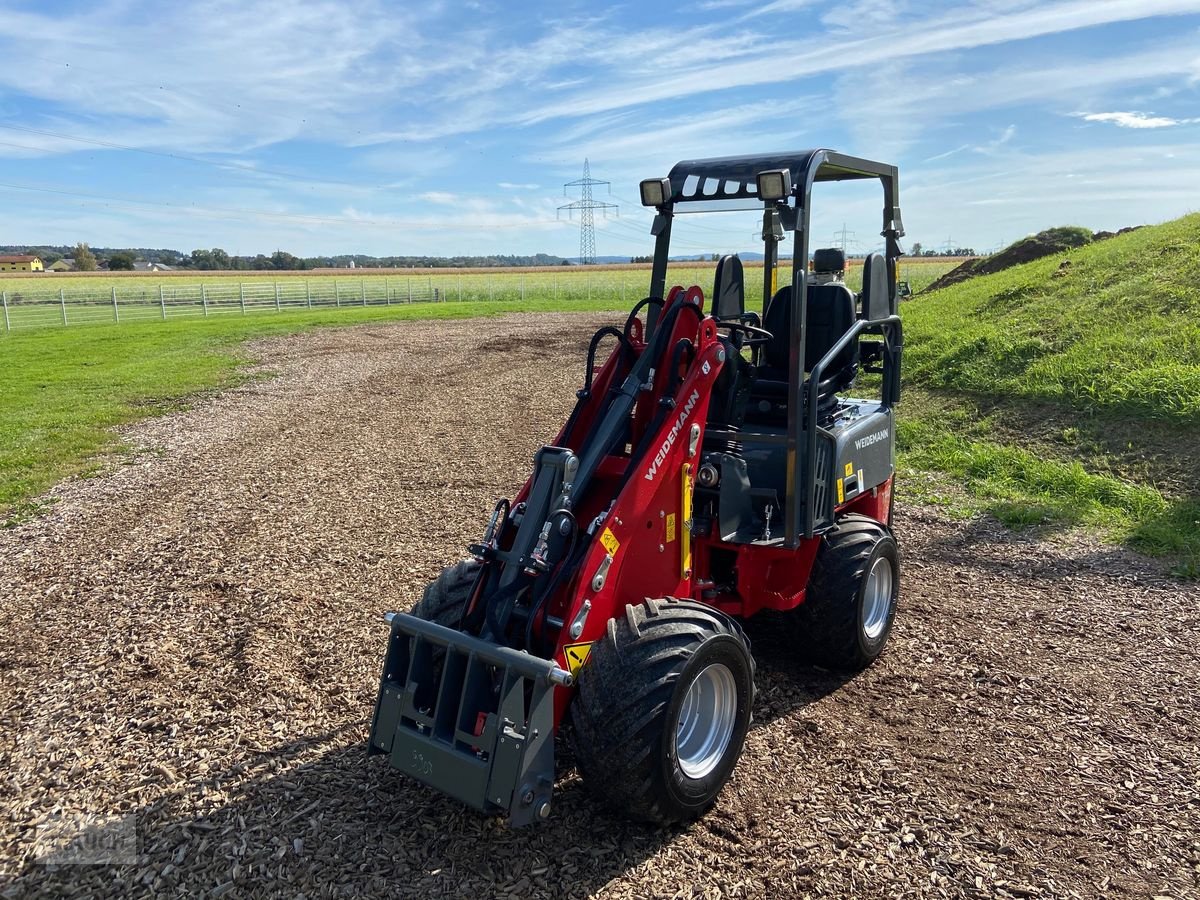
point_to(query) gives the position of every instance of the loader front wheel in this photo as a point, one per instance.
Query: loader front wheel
(446, 597)
(663, 706)
(850, 604)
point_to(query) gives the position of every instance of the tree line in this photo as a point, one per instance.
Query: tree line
(90, 258)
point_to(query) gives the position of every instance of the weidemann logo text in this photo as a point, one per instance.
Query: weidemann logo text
(871, 439)
(669, 441)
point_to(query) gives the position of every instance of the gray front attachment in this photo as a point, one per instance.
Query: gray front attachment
(469, 718)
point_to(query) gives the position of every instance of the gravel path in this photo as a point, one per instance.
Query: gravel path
(192, 640)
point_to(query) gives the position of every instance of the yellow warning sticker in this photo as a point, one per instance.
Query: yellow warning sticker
(849, 469)
(670, 527)
(577, 655)
(841, 490)
(610, 542)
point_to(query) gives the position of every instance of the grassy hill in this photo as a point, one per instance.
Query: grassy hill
(1067, 390)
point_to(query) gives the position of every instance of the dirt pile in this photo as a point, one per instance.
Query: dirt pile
(1044, 243)
(193, 641)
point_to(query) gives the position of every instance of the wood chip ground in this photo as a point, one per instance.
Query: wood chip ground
(193, 640)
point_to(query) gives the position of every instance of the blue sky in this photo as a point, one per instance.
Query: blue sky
(443, 128)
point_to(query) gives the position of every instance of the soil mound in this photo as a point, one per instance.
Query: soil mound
(1044, 243)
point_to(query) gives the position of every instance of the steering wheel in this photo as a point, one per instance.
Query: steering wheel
(753, 336)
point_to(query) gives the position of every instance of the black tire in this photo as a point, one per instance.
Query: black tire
(446, 597)
(631, 692)
(833, 619)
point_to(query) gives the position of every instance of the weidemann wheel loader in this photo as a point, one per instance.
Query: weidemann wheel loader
(713, 467)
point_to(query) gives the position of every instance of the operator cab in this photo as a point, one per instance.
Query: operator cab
(782, 435)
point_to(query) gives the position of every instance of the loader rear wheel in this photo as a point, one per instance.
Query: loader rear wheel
(852, 593)
(663, 706)
(446, 597)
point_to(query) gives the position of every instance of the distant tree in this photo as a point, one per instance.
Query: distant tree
(85, 260)
(202, 259)
(283, 260)
(916, 249)
(220, 258)
(121, 261)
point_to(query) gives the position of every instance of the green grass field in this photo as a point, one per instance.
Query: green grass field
(62, 390)
(1067, 391)
(920, 272)
(1050, 395)
(51, 300)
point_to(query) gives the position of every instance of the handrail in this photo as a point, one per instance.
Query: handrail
(889, 327)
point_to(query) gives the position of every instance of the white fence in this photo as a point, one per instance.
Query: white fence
(140, 301)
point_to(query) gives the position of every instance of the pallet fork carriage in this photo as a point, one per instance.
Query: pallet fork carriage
(714, 466)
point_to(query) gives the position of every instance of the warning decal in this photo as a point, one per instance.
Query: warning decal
(670, 527)
(577, 655)
(610, 542)
(849, 469)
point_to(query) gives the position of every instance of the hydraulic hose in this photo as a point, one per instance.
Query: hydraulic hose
(566, 564)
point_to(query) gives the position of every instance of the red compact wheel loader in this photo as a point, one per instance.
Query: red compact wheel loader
(714, 466)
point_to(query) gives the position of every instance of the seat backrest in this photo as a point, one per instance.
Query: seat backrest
(829, 259)
(778, 320)
(729, 289)
(876, 294)
(830, 314)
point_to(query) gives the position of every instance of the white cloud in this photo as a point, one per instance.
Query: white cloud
(940, 92)
(365, 91)
(442, 198)
(792, 60)
(959, 149)
(1134, 119)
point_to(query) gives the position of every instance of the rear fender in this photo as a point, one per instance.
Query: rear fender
(874, 504)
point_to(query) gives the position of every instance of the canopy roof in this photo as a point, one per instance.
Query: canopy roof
(733, 177)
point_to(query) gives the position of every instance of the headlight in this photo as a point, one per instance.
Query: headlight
(775, 184)
(656, 191)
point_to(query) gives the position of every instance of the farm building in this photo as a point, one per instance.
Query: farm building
(63, 265)
(20, 264)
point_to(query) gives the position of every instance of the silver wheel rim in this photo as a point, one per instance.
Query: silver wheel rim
(706, 721)
(877, 599)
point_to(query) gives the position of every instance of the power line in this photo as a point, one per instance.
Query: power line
(182, 93)
(690, 217)
(242, 214)
(640, 242)
(586, 206)
(256, 170)
(844, 238)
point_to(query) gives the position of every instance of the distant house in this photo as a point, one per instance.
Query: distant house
(142, 266)
(63, 265)
(21, 264)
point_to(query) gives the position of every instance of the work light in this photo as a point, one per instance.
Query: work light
(774, 184)
(656, 191)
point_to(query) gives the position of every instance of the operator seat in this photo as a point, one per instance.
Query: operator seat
(830, 314)
(732, 385)
(729, 289)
